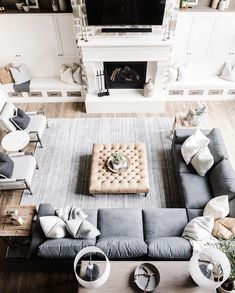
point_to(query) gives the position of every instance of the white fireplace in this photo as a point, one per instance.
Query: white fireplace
(152, 51)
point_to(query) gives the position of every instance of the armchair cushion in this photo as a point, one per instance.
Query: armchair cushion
(20, 119)
(6, 166)
(37, 123)
(24, 167)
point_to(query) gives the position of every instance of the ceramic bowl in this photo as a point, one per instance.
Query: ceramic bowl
(146, 277)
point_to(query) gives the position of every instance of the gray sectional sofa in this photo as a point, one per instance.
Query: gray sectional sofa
(125, 234)
(196, 191)
(149, 233)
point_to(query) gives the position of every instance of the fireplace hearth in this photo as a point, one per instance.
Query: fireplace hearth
(125, 75)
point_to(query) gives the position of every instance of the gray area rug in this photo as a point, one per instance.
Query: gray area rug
(65, 160)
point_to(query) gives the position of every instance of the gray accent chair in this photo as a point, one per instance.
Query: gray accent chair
(36, 127)
(195, 190)
(23, 171)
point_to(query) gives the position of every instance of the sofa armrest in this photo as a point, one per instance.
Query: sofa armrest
(38, 236)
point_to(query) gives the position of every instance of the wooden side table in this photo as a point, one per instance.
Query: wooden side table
(8, 230)
(181, 123)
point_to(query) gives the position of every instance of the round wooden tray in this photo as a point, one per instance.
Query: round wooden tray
(147, 277)
(109, 165)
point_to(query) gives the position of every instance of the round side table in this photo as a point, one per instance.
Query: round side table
(15, 141)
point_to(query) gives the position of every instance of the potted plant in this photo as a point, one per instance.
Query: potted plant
(228, 247)
(199, 113)
(118, 161)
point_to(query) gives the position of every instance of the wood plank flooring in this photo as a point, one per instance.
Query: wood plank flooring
(14, 275)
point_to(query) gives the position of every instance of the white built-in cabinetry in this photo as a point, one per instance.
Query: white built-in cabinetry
(204, 41)
(43, 42)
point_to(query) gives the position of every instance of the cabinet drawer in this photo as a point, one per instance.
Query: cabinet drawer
(14, 94)
(231, 92)
(54, 94)
(35, 94)
(176, 92)
(73, 94)
(196, 92)
(215, 92)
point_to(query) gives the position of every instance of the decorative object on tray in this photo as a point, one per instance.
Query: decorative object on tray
(102, 84)
(149, 88)
(93, 277)
(147, 277)
(195, 115)
(209, 268)
(228, 247)
(118, 163)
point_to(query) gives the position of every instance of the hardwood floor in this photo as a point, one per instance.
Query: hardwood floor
(14, 275)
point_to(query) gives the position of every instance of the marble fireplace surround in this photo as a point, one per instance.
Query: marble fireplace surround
(154, 51)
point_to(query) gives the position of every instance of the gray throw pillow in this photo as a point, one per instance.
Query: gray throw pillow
(6, 166)
(20, 120)
(217, 146)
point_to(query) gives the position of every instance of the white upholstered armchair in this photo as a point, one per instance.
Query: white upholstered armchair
(23, 171)
(36, 127)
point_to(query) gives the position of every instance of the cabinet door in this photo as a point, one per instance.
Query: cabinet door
(201, 35)
(224, 37)
(21, 33)
(6, 48)
(182, 33)
(66, 34)
(47, 35)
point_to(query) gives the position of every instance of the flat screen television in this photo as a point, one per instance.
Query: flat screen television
(125, 12)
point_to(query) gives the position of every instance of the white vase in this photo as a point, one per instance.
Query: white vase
(62, 5)
(222, 5)
(149, 89)
(215, 4)
(227, 3)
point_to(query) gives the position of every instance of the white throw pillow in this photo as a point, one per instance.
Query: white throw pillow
(217, 207)
(199, 228)
(228, 72)
(203, 161)
(193, 144)
(53, 227)
(20, 74)
(66, 74)
(79, 228)
(76, 70)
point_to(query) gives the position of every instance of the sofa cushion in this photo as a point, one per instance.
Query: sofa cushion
(193, 144)
(63, 248)
(217, 207)
(203, 161)
(120, 223)
(182, 134)
(193, 213)
(171, 248)
(196, 190)
(164, 222)
(217, 146)
(180, 164)
(122, 247)
(222, 179)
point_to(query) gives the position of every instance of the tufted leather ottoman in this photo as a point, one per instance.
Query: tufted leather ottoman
(134, 180)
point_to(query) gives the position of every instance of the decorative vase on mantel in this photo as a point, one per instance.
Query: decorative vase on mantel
(222, 5)
(62, 5)
(149, 88)
(215, 4)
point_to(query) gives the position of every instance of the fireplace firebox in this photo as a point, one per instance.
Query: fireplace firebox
(125, 75)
